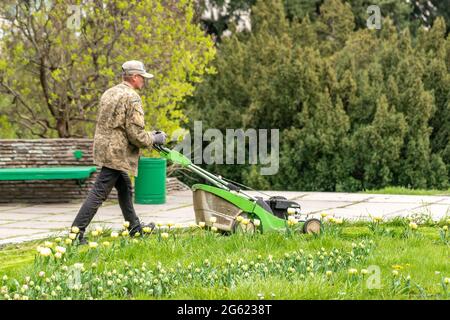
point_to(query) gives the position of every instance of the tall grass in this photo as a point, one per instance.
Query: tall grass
(205, 265)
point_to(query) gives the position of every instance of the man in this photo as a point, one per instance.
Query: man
(119, 134)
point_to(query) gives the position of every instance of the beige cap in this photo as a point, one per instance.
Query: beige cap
(135, 67)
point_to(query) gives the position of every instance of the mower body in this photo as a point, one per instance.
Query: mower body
(226, 206)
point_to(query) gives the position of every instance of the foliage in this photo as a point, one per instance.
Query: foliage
(356, 108)
(198, 263)
(54, 71)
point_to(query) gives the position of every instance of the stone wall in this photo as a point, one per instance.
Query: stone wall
(49, 153)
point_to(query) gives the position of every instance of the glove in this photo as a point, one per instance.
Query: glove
(159, 137)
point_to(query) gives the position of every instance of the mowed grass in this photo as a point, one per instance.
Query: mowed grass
(421, 258)
(407, 191)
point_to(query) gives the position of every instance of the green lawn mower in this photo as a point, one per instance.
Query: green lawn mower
(226, 201)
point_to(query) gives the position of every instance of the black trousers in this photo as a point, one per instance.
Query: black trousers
(106, 180)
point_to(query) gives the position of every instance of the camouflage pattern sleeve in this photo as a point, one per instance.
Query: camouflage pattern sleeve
(135, 125)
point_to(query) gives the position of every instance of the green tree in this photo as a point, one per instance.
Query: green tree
(55, 70)
(356, 108)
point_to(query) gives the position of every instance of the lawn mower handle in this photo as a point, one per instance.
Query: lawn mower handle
(178, 158)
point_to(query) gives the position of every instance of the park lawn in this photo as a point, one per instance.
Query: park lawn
(407, 191)
(200, 264)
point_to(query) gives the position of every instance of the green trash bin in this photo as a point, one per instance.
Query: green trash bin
(150, 183)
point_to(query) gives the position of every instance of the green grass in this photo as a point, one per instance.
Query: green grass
(421, 254)
(406, 191)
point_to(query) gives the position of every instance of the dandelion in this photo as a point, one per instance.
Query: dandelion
(75, 230)
(292, 221)
(125, 233)
(395, 273)
(291, 211)
(447, 280)
(201, 224)
(5, 278)
(324, 214)
(93, 245)
(48, 244)
(95, 233)
(58, 240)
(339, 221)
(413, 225)
(192, 225)
(445, 228)
(377, 218)
(147, 229)
(106, 243)
(364, 271)
(46, 252)
(72, 236)
(164, 235)
(177, 226)
(61, 250)
(114, 234)
(329, 273)
(170, 224)
(245, 221)
(68, 241)
(213, 219)
(99, 230)
(58, 255)
(239, 218)
(256, 222)
(126, 224)
(137, 234)
(352, 271)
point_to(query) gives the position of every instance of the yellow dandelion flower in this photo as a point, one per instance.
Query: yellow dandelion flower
(75, 230)
(164, 235)
(413, 225)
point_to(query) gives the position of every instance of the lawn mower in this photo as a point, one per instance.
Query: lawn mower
(226, 201)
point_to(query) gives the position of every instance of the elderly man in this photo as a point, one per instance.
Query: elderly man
(119, 134)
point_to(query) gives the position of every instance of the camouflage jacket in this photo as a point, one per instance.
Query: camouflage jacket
(120, 130)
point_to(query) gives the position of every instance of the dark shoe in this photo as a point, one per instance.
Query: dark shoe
(139, 228)
(82, 240)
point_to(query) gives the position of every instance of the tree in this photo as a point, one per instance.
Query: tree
(356, 108)
(54, 75)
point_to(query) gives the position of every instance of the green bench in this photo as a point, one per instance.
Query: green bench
(52, 173)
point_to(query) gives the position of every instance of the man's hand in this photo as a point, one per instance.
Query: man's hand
(159, 137)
